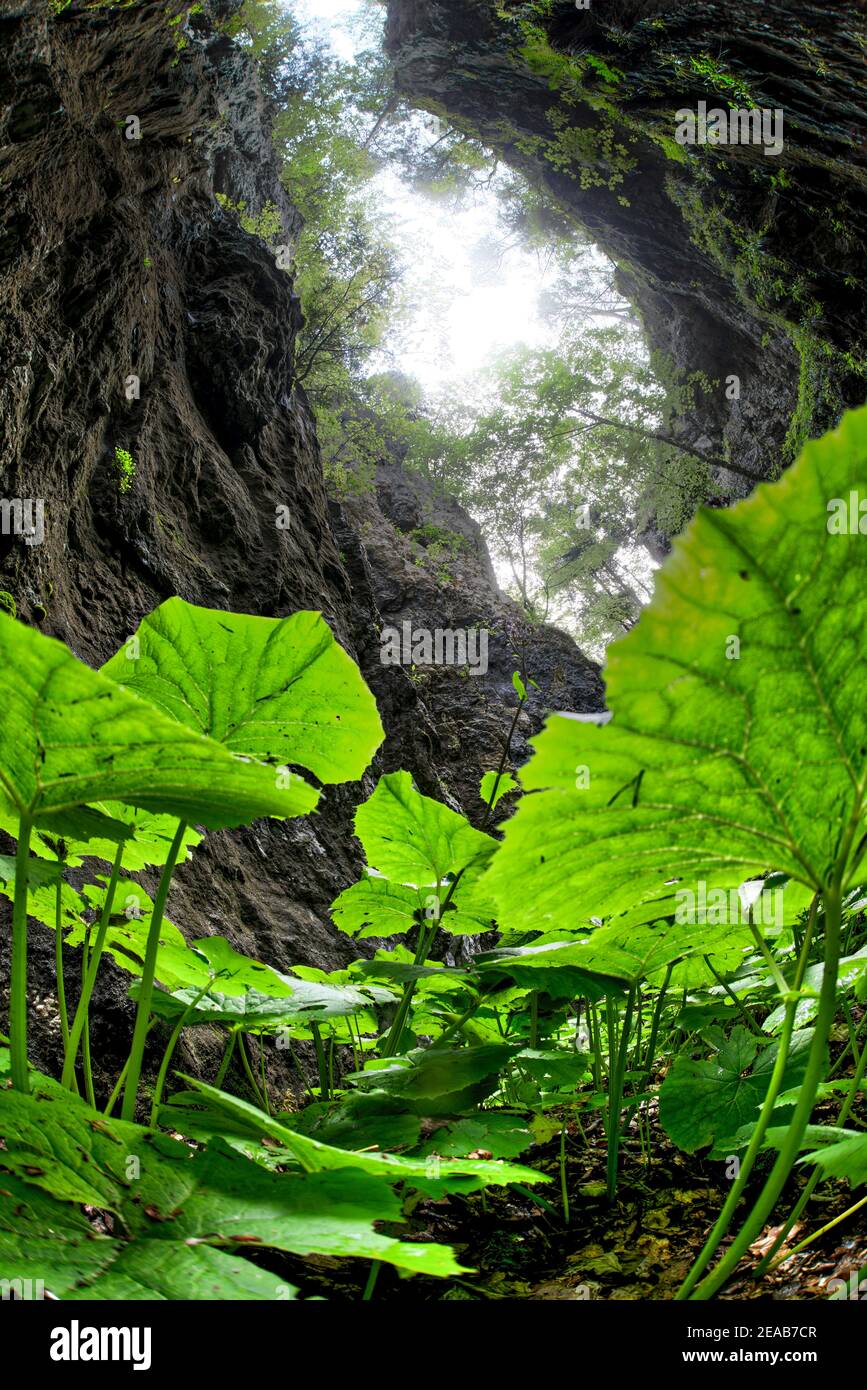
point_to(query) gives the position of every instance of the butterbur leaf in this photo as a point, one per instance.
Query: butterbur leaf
(626, 953)
(69, 737)
(360, 1122)
(410, 838)
(47, 1239)
(150, 839)
(171, 1199)
(96, 831)
(465, 1174)
(127, 933)
(847, 1159)
(434, 1072)
(556, 1070)
(376, 907)
(298, 1000)
(42, 879)
(709, 1102)
(278, 689)
(502, 1136)
(72, 828)
(850, 974)
(239, 973)
(505, 785)
(737, 743)
(557, 968)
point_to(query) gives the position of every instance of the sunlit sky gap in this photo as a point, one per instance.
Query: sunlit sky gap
(462, 308)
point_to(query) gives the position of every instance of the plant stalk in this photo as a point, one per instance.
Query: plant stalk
(79, 1023)
(18, 986)
(788, 1154)
(615, 1100)
(724, 1219)
(146, 987)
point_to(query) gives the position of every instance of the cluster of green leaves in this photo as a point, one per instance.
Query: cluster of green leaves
(195, 721)
(598, 984)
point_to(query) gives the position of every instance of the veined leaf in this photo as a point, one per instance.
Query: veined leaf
(278, 689)
(627, 953)
(410, 838)
(467, 1174)
(298, 1000)
(95, 832)
(504, 1136)
(43, 1238)
(70, 736)
(847, 1159)
(376, 907)
(710, 1101)
(171, 1198)
(712, 768)
(127, 934)
(435, 1081)
(42, 882)
(505, 785)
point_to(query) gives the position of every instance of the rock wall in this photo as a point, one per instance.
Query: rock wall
(740, 263)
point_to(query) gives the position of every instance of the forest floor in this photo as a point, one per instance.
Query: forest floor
(638, 1248)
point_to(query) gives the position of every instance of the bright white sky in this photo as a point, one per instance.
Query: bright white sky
(464, 313)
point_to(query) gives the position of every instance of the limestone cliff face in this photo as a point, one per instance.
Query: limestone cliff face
(136, 314)
(740, 263)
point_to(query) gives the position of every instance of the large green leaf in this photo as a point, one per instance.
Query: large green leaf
(318, 1157)
(360, 1122)
(97, 830)
(42, 1238)
(63, 834)
(70, 736)
(710, 1101)
(439, 1081)
(410, 838)
(556, 968)
(151, 836)
(127, 933)
(721, 761)
(162, 1193)
(298, 999)
(278, 689)
(376, 907)
(502, 1136)
(626, 953)
(496, 785)
(42, 879)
